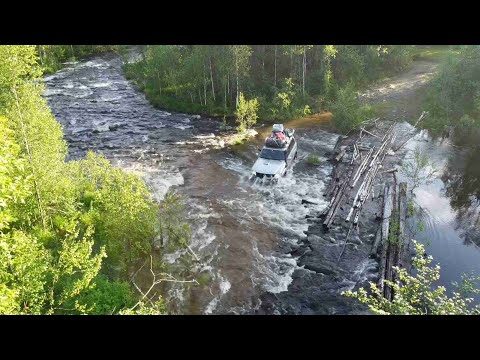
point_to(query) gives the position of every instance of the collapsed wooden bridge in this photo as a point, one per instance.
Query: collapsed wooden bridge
(361, 174)
(358, 167)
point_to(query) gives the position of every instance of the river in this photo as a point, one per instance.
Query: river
(240, 229)
(450, 205)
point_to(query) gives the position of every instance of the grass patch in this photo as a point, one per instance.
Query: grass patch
(240, 138)
(381, 109)
(436, 53)
(313, 159)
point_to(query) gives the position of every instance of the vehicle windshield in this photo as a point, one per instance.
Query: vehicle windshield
(272, 154)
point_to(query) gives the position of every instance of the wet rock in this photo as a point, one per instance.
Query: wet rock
(302, 252)
(306, 241)
(356, 240)
(320, 269)
(295, 248)
(315, 239)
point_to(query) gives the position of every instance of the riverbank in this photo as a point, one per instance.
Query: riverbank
(209, 80)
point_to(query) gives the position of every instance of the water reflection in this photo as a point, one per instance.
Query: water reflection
(450, 205)
(461, 180)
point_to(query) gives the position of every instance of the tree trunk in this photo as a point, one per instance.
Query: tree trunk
(304, 69)
(204, 84)
(211, 77)
(40, 51)
(159, 83)
(275, 74)
(263, 61)
(225, 97)
(236, 67)
(292, 69)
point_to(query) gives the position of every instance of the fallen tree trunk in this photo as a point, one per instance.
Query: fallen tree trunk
(392, 244)
(331, 214)
(387, 210)
(308, 202)
(402, 209)
(340, 155)
(424, 114)
(376, 242)
(361, 168)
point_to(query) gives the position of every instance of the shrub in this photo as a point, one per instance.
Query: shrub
(246, 113)
(416, 295)
(313, 159)
(346, 110)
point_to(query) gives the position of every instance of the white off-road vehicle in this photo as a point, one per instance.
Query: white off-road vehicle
(277, 155)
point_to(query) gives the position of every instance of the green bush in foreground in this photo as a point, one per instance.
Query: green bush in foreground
(417, 295)
(71, 233)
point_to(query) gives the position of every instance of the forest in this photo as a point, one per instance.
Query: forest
(71, 232)
(288, 81)
(74, 233)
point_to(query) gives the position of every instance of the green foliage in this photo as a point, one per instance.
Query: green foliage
(174, 231)
(121, 208)
(65, 226)
(417, 295)
(52, 57)
(432, 52)
(418, 169)
(453, 97)
(346, 110)
(313, 159)
(14, 183)
(246, 113)
(158, 308)
(288, 80)
(106, 297)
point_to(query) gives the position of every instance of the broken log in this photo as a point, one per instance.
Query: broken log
(335, 205)
(392, 241)
(402, 209)
(308, 202)
(379, 213)
(384, 237)
(376, 243)
(361, 168)
(390, 171)
(387, 212)
(340, 155)
(369, 133)
(425, 113)
(422, 116)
